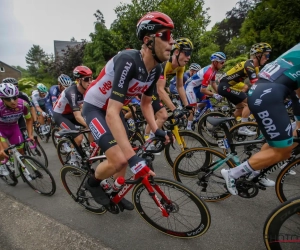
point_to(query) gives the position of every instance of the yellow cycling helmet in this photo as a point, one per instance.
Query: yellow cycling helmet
(260, 48)
(183, 43)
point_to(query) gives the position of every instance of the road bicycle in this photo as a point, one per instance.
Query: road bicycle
(168, 206)
(37, 176)
(199, 169)
(282, 227)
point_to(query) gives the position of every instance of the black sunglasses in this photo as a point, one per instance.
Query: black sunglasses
(8, 99)
(87, 79)
(187, 52)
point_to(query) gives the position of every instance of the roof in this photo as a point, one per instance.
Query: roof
(11, 67)
(61, 46)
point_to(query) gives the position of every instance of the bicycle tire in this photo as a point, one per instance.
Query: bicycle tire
(212, 133)
(10, 179)
(281, 186)
(201, 212)
(274, 222)
(69, 170)
(54, 139)
(136, 137)
(196, 180)
(37, 175)
(63, 156)
(38, 152)
(171, 154)
(243, 151)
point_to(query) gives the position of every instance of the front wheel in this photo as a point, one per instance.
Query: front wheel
(37, 176)
(188, 215)
(73, 180)
(281, 229)
(188, 139)
(38, 152)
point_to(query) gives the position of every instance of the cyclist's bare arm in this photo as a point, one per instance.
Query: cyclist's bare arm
(181, 91)
(148, 113)
(2, 153)
(117, 128)
(79, 118)
(163, 95)
(207, 92)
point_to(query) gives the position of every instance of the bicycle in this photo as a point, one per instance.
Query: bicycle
(179, 207)
(197, 168)
(31, 171)
(281, 228)
(49, 121)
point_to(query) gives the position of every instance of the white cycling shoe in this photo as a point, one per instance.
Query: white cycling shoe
(230, 181)
(246, 131)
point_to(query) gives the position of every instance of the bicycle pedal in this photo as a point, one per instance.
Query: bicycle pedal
(261, 187)
(113, 208)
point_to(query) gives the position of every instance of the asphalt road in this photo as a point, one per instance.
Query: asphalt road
(237, 223)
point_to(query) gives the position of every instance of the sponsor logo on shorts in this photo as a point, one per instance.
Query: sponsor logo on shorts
(96, 128)
(63, 125)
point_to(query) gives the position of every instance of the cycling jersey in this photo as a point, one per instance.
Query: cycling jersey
(54, 93)
(69, 101)
(199, 80)
(123, 77)
(277, 81)
(9, 117)
(44, 103)
(240, 72)
(173, 88)
(132, 79)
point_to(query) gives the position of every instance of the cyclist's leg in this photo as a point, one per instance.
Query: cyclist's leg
(116, 161)
(276, 129)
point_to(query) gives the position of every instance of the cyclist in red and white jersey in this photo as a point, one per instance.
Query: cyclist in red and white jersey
(126, 75)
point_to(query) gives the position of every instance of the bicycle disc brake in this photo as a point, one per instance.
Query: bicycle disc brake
(246, 189)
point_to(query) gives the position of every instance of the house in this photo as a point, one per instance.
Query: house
(60, 47)
(9, 71)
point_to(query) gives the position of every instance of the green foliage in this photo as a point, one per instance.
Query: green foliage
(235, 47)
(275, 22)
(34, 59)
(232, 62)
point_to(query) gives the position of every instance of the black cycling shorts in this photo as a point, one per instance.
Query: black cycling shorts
(67, 121)
(156, 103)
(232, 95)
(266, 102)
(95, 119)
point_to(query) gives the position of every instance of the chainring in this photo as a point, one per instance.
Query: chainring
(246, 189)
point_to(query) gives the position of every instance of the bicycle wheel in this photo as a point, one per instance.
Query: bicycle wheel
(38, 153)
(136, 139)
(189, 139)
(288, 185)
(54, 139)
(244, 152)
(39, 179)
(209, 132)
(72, 178)
(188, 215)
(200, 170)
(281, 228)
(64, 150)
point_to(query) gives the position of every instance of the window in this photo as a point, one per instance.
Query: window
(2, 69)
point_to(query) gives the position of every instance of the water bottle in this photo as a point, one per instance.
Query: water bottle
(93, 148)
(106, 186)
(119, 182)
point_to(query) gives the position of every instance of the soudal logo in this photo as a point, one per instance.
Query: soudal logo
(105, 87)
(124, 74)
(137, 89)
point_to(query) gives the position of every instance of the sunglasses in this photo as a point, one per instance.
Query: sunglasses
(9, 99)
(187, 52)
(221, 62)
(267, 56)
(87, 79)
(165, 36)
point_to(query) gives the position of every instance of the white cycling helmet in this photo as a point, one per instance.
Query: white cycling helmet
(195, 66)
(65, 80)
(8, 90)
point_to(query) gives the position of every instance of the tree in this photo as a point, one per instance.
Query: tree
(101, 48)
(275, 22)
(34, 59)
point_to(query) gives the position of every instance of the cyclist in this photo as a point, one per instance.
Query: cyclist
(67, 113)
(276, 81)
(24, 97)
(11, 109)
(43, 105)
(64, 81)
(193, 69)
(259, 55)
(203, 78)
(182, 50)
(127, 74)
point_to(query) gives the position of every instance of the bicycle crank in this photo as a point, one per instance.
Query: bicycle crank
(246, 189)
